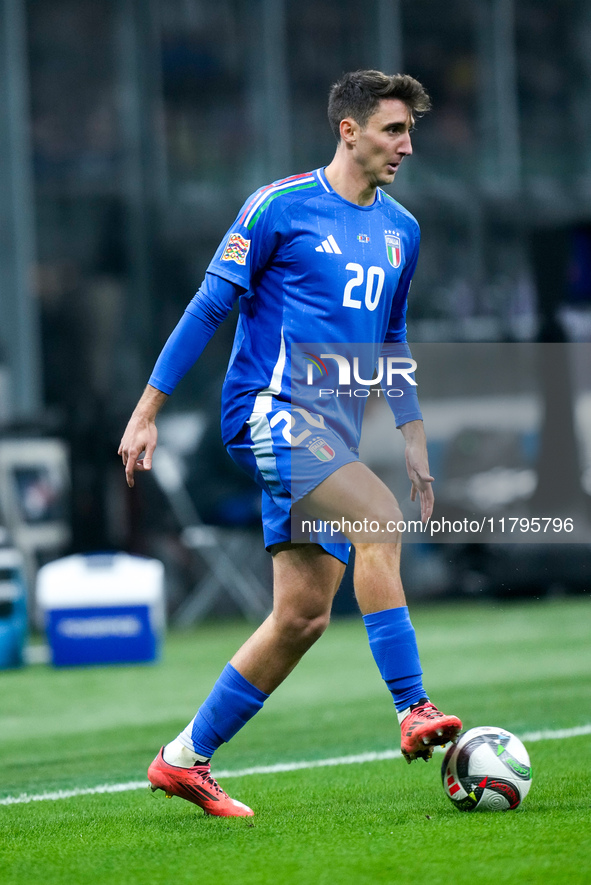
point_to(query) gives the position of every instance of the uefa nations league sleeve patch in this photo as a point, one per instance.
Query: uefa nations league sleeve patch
(236, 249)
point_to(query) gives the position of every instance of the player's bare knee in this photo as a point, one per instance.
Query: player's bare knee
(382, 526)
(391, 517)
(302, 629)
(309, 628)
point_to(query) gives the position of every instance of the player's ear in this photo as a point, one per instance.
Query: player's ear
(349, 129)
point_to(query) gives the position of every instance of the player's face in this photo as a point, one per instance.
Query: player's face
(384, 143)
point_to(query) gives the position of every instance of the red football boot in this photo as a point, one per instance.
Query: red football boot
(425, 727)
(196, 785)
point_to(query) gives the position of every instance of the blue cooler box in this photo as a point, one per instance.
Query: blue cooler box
(102, 608)
(13, 608)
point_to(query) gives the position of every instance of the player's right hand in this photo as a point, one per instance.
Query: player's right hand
(140, 437)
(141, 434)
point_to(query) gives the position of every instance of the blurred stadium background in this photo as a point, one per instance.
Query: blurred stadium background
(130, 133)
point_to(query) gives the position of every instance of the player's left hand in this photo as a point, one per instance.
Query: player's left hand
(417, 466)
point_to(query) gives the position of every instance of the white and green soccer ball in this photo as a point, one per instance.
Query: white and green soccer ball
(486, 769)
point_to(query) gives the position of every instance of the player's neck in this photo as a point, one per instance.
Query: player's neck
(349, 181)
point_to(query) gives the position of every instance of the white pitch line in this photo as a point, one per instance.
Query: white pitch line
(533, 736)
(530, 737)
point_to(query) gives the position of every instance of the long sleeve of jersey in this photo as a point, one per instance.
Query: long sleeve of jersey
(405, 405)
(204, 313)
(400, 393)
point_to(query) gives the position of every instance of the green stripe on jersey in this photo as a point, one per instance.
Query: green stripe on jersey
(288, 190)
(391, 198)
(397, 204)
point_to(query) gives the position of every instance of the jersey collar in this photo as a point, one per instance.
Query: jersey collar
(327, 187)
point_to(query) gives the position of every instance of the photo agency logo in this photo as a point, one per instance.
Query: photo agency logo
(386, 375)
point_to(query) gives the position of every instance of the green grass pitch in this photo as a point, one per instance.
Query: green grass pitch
(525, 667)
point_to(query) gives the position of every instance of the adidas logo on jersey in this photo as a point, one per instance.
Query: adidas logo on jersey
(329, 245)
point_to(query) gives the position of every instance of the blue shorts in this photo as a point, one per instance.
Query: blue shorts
(288, 451)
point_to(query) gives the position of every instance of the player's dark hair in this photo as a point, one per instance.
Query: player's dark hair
(359, 93)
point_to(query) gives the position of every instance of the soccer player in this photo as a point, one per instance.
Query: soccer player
(326, 256)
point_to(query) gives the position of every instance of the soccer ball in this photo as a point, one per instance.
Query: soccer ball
(486, 769)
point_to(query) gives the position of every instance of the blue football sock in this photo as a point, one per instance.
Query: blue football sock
(232, 702)
(394, 646)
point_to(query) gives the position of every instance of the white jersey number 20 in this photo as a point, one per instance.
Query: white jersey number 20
(373, 286)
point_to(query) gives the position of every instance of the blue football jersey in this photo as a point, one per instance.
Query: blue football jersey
(315, 269)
